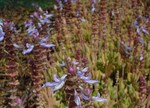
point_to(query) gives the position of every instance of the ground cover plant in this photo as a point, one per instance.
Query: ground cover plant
(81, 54)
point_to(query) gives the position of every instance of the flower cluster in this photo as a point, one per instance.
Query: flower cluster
(37, 29)
(140, 28)
(80, 78)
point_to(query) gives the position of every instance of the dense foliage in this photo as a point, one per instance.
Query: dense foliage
(80, 55)
(11, 4)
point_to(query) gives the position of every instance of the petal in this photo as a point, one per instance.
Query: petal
(62, 64)
(55, 78)
(50, 84)
(63, 77)
(29, 48)
(83, 20)
(47, 45)
(44, 39)
(32, 30)
(59, 86)
(98, 94)
(1, 38)
(75, 63)
(135, 23)
(91, 81)
(48, 15)
(86, 98)
(145, 31)
(77, 98)
(138, 31)
(1, 22)
(141, 41)
(86, 78)
(85, 69)
(17, 46)
(2, 34)
(99, 99)
(141, 57)
(39, 25)
(80, 73)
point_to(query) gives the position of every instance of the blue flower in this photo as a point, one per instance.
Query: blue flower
(45, 19)
(58, 84)
(32, 31)
(2, 34)
(138, 30)
(29, 48)
(86, 98)
(17, 46)
(93, 98)
(77, 99)
(87, 79)
(144, 30)
(43, 42)
(91, 81)
(47, 45)
(62, 64)
(98, 98)
(72, 1)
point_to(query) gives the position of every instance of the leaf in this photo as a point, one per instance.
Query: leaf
(108, 70)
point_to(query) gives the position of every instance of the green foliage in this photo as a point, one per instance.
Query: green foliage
(119, 74)
(13, 4)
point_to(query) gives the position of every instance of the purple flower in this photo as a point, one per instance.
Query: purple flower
(58, 84)
(59, 2)
(50, 84)
(141, 41)
(47, 45)
(44, 20)
(142, 56)
(93, 98)
(62, 64)
(82, 72)
(91, 81)
(86, 98)
(98, 98)
(135, 23)
(48, 15)
(13, 28)
(72, 1)
(87, 79)
(29, 48)
(138, 31)
(77, 99)
(40, 25)
(44, 44)
(28, 23)
(17, 46)
(59, 79)
(1, 22)
(44, 39)
(32, 31)
(144, 30)
(2, 34)
(93, 5)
